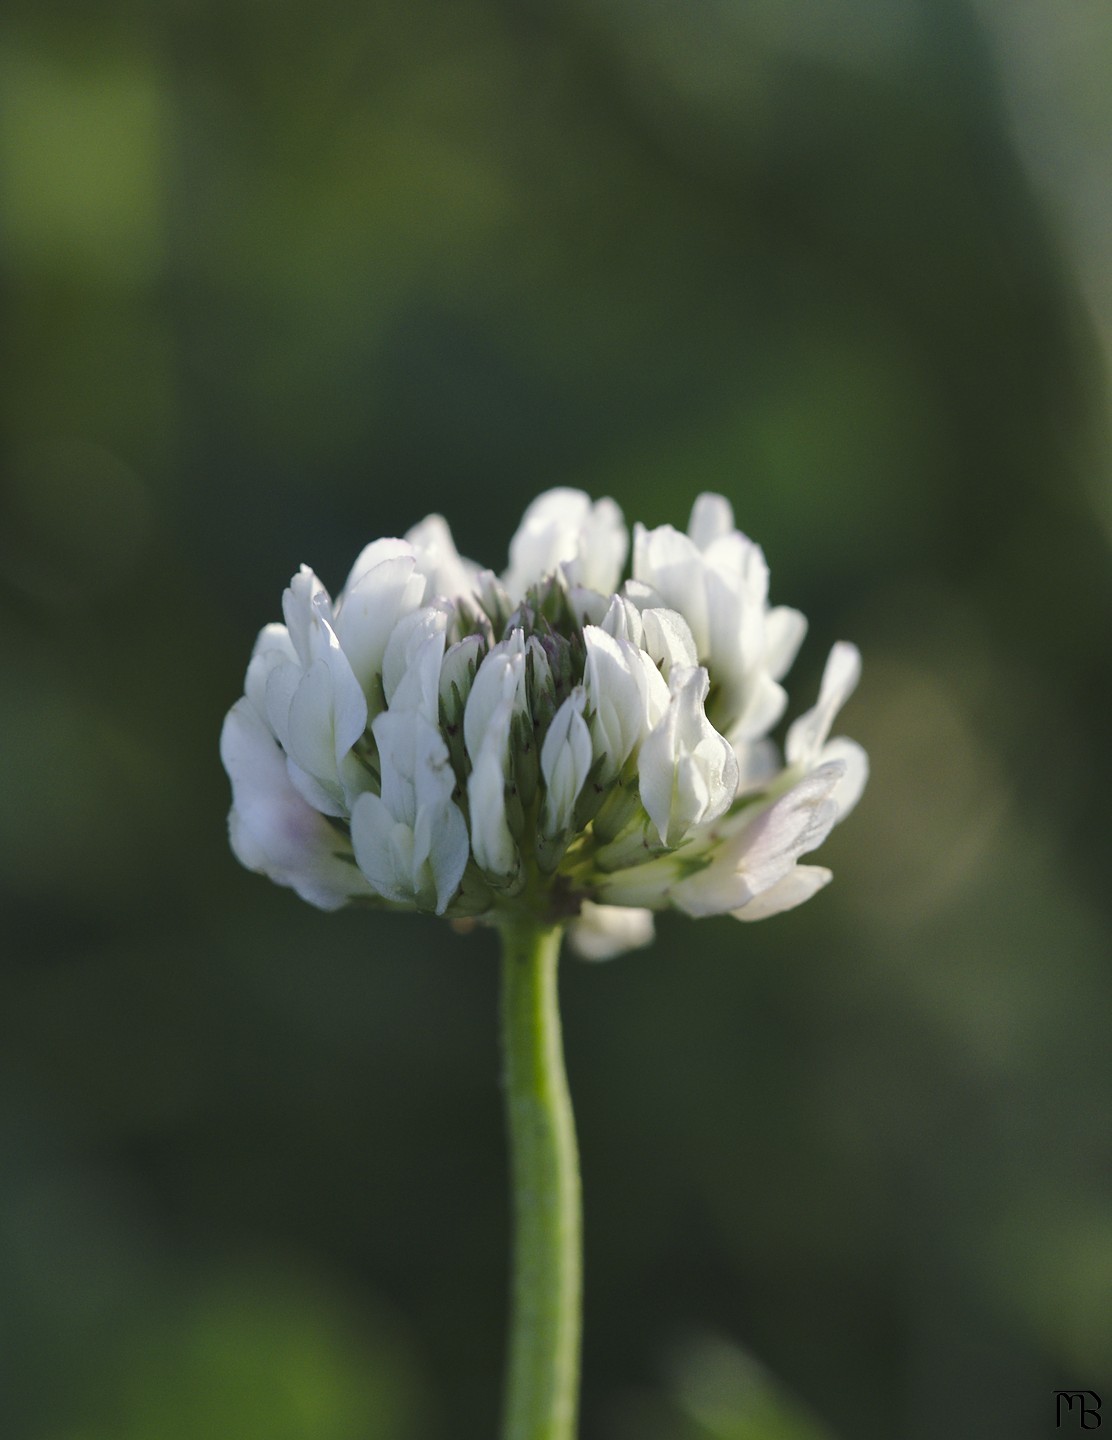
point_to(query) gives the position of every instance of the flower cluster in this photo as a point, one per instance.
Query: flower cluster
(443, 739)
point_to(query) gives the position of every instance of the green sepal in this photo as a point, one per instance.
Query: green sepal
(618, 809)
(550, 850)
(525, 761)
(592, 795)
(474, 896)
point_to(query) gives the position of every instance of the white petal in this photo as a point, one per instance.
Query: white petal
(406, 683)
(763, 702)
(562, 529)
(784, 632)
(349, 705)
(439, 560)
(271, 827)
(547, 536)
(807, 735)
(758, 763)
(416, 771)
(588, 606)
(498, 691)
(736, 580)
(281, 686)
(797, 823)
(412, 841)
(310, 735)
(622, 620)
(798, 885)
(687, 771)
(314, 792)
(311, 698)
(603, 931)
(500, 680)
(395, 733)
(383, 849)
(641, 594)
(711, 517)
(447, 847)
(668, 639)
(379, 598)
(496, 602)
(538, 668)
(674, 566)
(565, 763)
(491, 841)
(273, 648)
(764, 848)
(848, 790)
(458, 668)
(626, 693)
(370, 557)
(303, 600)
(717, 579)
(603, 547)
(433, 777)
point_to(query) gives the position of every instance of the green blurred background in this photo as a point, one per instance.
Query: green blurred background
(279, 279)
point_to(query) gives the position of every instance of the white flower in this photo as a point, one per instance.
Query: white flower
(554, 741)
(497, 696)
(439, 562)
(411, 664)
(807, 744)
(458, 671)
(759, 850)
(500, 680)
(271, 827)
(565, 764)
(627, 695)
(491, 841)
(688, 771)
(410, 840)
(793, 887)
(300, 679)
(383, 587)
(667, 639)
(563, 531)
(600, 932)
(718, 580)
(664, 635)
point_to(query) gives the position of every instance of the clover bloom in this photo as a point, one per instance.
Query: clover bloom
(552, 740)
(553, 748)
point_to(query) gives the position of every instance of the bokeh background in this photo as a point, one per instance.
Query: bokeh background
(281, 278)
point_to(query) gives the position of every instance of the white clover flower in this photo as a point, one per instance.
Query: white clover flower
(562, 532)
(718, 581)
(688, 771)
(566, 758)
(551, 742)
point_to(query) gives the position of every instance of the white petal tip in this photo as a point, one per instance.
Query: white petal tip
(602, 932)
(796, 887)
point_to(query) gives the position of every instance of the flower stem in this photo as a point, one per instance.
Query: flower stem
(542, 1381)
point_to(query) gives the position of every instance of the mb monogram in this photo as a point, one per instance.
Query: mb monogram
(1082, 1405)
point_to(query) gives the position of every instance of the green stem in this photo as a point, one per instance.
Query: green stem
(542, 1381)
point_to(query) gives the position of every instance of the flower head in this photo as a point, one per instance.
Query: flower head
(550, 740)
